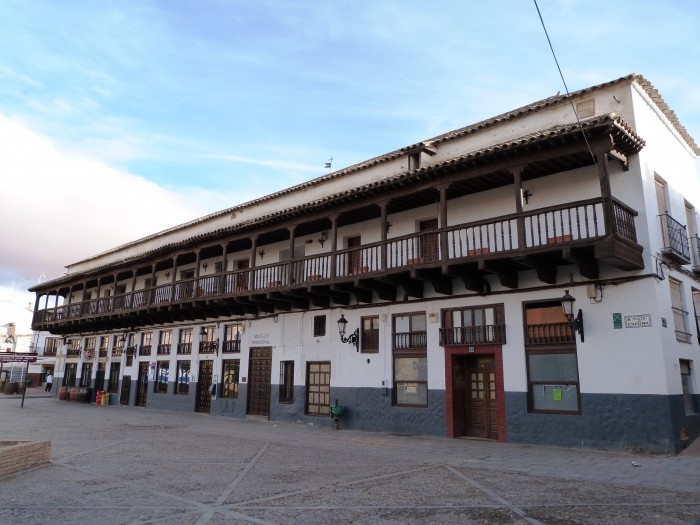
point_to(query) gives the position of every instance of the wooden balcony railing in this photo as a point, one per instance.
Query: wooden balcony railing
(505, 236)
(549, 333)
(473, 335)
(410, 340)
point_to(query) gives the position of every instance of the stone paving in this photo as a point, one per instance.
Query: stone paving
(128, 465)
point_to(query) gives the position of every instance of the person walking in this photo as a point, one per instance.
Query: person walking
(49, 382)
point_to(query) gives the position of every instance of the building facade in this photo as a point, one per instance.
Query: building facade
(529, 278)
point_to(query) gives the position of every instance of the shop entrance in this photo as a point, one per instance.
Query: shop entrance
(206, 369)
(259, 379)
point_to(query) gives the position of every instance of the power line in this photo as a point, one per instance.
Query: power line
(568, 95)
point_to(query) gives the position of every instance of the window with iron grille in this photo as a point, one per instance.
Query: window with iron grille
(231, 370)
(182, 381)
(184, 346)
(113, 385)
(232, 337)
(287, 382)
(164, 342)
(319, 325)
(473, 326)
(680, 315)
(369, 337)
(162, 375)
(318, 388)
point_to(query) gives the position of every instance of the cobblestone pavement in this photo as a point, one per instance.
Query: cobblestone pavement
(127, 465)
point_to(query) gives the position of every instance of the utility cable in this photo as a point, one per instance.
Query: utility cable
(568, 95)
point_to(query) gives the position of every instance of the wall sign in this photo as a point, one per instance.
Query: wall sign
(261, 339)
(617, 321)
(637, 321)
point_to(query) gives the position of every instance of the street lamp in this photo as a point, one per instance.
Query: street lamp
(353, 338)
(574, 320)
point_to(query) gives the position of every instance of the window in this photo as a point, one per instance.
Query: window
(232, 337)
(287, 382)
(207, 345)
(69, 374)
(86, 375)
(231, 369)
(113, 385)
(162, 373)
(184, 346)
(182, 385)
(51, 345)
(104, 346)
(318, 388)
(117, 345)
(687, 384)
(218, 267)
(679, 313)
(369, 338)
(410, 331)
(164, 342)
(410, 379)
(472, 326)
(146, 339)
(319, 325)
(552, 363)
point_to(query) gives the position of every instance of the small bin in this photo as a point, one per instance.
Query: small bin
(105, 399)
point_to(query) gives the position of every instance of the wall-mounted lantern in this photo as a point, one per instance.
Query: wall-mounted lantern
(575, 320)
(353, 338)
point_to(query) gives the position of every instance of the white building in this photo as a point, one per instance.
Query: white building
(448, 259)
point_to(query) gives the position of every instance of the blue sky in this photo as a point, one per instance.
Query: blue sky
(121, 118)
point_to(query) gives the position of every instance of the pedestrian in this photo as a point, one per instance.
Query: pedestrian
(49, 382)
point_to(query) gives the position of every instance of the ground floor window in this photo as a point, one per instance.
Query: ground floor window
(182, 385)
(687, 383)
(69, 374)
(231, 369)
(410, 380)
(552, 364)
(113, 385)
(553, 381)
(318, 388)
(162, 375)
(287, 382)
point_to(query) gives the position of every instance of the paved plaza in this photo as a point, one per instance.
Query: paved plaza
(128, 465)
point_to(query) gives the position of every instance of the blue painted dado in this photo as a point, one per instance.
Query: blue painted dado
(607, 421)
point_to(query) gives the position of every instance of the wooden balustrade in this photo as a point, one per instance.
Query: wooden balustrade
(505, 236)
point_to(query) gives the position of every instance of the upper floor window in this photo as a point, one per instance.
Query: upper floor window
(410, 331)
(369, 336)
(232, 337)
(473, 326)
(319, 325)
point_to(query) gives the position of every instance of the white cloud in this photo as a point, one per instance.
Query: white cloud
(59, 207)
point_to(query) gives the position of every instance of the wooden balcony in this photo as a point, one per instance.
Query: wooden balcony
(473, 335)
(584, 233)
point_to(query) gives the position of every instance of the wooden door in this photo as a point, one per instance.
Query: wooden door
(142, 385)
(459, 394)
(429, 243)
(242, 278)
(481, 406)
(125, 390)
(259, 379)
(354, 255)
(206, 369)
